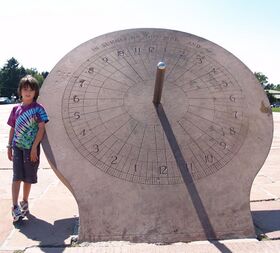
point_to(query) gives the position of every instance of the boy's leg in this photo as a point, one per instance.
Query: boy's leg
(24, 203)
(18, 176)
(18, 173)
(30, 177)
(15, 191)
(26, 191)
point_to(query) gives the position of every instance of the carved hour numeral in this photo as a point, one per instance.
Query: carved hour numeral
(232, 131)
(77, 115)
(81, 82)
(223, 145)
(91, 70)
(114, 161)
(151, 49)
(163, 170)
(232, 98)
(224, 84)
(95, 148)
(76, 99)
(105, 59)
(137, 50)
(120, 53)
(199, 59)
(83, 132)
(235, 114)
(209, 158)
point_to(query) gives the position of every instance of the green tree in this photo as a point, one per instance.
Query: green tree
(263, 79)
(10, 75)
(40, 78)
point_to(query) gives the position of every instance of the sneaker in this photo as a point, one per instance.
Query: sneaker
(24, 208)
(16, 213)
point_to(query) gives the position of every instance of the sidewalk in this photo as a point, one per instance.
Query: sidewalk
(54, 218)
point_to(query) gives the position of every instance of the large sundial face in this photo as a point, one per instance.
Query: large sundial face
(110, 119)
(158, 134)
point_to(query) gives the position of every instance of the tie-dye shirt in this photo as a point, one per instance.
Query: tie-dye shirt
(24, 119)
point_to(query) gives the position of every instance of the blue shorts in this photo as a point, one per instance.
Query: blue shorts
(25, 170)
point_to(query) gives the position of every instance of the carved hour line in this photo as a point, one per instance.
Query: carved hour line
(164, 146)
(206, 133)
(186, 70)
(113, 133)
(173, 67)
(193, 142)
(101, 124)
(118, 70)
(77, 115)
(141, 145)
(133, 69)
(125, 142)
(156, 143)
(143, 64)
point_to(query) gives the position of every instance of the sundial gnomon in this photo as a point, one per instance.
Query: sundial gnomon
(111, 120)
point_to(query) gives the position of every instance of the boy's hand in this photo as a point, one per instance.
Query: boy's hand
(10, 154)
(33, 155)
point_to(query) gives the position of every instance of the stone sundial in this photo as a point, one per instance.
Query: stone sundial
(158, 134)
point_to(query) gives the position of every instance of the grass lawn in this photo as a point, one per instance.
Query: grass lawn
(276, 109)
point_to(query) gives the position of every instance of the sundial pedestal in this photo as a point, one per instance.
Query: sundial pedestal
(157, 155)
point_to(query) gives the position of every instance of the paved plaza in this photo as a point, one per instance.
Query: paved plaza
(54, 212)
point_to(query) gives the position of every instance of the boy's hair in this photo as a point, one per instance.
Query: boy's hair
(29, 81)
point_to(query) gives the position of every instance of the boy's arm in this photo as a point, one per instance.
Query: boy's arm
(9, 146)
(38, 138)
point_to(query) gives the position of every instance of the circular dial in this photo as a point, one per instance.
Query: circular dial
(110, 118)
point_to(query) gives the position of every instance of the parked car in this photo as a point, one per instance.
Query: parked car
(276, 105)
(5, 100)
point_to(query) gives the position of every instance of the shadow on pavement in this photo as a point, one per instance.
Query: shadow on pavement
(267, 220)
(45, 233)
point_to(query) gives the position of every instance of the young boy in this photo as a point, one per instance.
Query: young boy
(27, 121)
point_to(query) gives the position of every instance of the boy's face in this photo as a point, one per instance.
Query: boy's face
(27, 94)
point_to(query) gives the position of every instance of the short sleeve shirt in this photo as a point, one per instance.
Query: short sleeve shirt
(25, 120)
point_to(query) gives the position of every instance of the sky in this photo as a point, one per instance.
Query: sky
(38, 33)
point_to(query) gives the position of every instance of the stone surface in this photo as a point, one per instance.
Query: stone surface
(179, 172)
